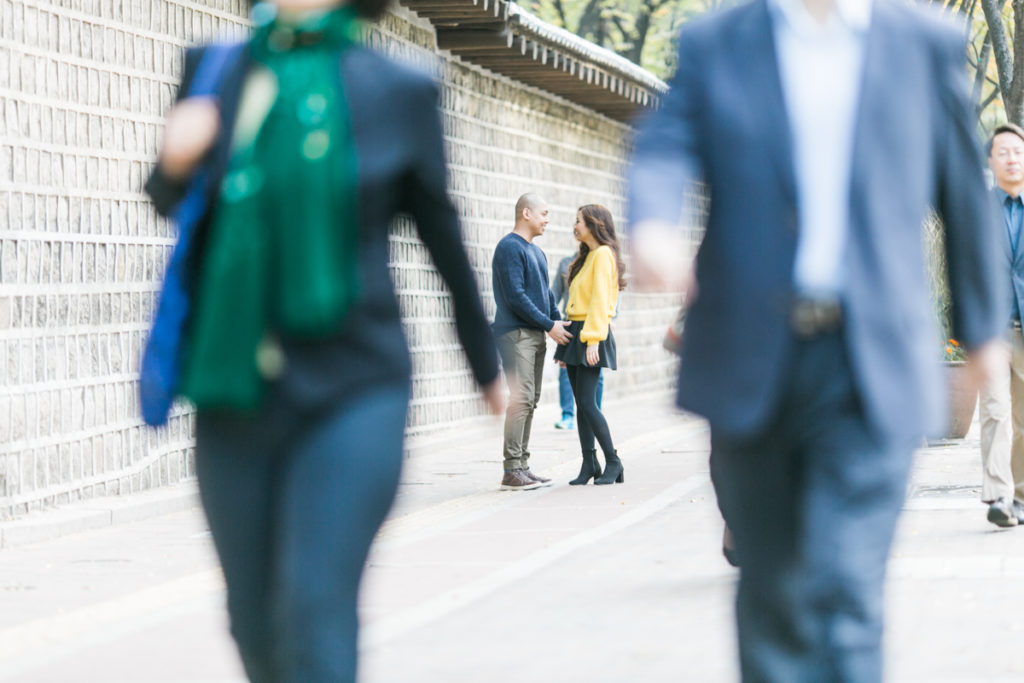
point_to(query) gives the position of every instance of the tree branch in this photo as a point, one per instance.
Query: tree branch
(560, 9)
(1000, 45)
(989, 100)
(1014, 103)
(590, 19)
(980, 69)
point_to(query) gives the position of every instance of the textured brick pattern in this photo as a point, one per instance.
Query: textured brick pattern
(83, 87)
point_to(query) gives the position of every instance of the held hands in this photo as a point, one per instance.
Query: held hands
(559, 333)
(191, 128)
(593, 356)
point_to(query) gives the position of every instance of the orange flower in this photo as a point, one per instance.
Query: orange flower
(954, 342)
(949, 349)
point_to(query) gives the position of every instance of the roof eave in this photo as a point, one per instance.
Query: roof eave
(501, 36)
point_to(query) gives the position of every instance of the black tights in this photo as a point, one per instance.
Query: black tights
(590, 423)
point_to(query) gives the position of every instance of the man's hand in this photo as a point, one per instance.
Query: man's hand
(191, 128)
(494, 396)
(984, 362)
(559, 333)
(660, 259)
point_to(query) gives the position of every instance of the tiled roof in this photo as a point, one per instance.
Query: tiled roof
(501, 36)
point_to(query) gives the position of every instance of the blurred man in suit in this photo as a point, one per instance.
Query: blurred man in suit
(823, 131)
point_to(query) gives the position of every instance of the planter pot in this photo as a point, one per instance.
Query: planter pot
(961, 400)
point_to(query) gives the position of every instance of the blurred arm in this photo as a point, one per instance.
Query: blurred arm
(979, 289)
(438, 226)
(665, 162)
(167, 189)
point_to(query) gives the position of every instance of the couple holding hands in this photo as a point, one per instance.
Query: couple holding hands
(527, 310)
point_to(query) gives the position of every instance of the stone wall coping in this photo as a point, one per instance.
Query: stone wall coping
(523, 21)
(501, 36)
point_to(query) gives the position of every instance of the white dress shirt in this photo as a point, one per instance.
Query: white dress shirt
(821, 69)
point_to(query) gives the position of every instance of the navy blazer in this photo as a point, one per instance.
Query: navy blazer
(397, 132)
(914, 148)
(1014, 260)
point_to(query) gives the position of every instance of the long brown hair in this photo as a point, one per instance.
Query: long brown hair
(599, 221)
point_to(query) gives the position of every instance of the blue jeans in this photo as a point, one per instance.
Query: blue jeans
(565, 398)
(294, 499)
(812, 501)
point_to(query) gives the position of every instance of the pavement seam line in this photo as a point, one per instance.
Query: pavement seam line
(465, 509)
(39, 634)
(377, 633)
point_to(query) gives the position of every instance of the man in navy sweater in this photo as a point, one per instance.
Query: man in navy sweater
(526, 310)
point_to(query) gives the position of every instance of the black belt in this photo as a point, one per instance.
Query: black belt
(812, 316)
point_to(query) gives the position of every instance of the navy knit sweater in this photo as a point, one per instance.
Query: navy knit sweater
(519, 274)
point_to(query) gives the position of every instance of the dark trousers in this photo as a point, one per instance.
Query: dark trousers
(812, 501)
(565, 397)
(294, 499)
(590, 422)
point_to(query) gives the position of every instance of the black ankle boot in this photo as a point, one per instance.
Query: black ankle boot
(588, 469)
(613, 470)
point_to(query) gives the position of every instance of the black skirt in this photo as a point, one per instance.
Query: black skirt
(575, 352)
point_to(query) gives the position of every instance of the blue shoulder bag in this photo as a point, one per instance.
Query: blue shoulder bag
(161, 360)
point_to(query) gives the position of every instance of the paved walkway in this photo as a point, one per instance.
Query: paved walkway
(466, 583)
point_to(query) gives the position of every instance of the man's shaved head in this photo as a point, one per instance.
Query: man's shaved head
(530, 200)
(531, 216)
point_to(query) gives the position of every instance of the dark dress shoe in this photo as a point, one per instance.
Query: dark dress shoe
(1018, 511)
(1002, 512)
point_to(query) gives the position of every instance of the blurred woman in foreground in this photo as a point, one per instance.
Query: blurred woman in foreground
(294, 355)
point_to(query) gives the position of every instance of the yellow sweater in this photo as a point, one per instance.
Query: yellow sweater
(594, 294)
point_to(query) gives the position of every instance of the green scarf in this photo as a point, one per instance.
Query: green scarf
(280, 258)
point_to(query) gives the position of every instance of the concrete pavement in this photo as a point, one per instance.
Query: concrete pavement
(467, 583)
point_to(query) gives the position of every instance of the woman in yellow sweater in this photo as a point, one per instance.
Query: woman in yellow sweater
(595, 278)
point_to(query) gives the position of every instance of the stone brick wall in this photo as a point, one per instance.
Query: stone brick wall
(83, 87)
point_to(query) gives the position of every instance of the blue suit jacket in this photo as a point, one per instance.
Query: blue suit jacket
(724, 119)
(1015, 260)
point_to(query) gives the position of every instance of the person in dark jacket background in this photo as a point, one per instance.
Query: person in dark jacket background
(294, 354)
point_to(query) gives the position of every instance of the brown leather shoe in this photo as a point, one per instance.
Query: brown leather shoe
(544, 481)
(516, 480)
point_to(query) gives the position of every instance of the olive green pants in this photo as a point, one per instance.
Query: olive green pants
(522, 356)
